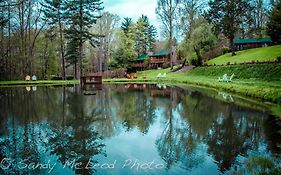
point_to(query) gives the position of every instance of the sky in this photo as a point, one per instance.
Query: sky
(133, 9)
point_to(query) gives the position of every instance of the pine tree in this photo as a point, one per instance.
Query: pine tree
(227, 15)
(54, 11)
(81, 15)
(72, 54)
(151, 38)
(126, 24)
(145, 36)
(274, 24)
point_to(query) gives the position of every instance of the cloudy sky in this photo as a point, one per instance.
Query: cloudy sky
(133, 9)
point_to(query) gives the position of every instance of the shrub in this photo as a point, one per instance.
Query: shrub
(194, 62)
(278, 58)
(166, 65)
(228, 63)
(226, 50)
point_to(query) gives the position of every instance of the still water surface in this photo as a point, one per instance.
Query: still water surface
(127, 129)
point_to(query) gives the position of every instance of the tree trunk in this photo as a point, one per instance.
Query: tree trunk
(62, 51)
(75, 71)
(171, 34)
(199, 58)
(232, 46)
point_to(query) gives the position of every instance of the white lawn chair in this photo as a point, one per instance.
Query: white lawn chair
(229, 79)
(27, 78)
(159, 75)
(223, 78)
(34, 78)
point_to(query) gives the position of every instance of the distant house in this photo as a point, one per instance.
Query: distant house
(139, 63)
(159, 59)
(154, 61)
(241, 44)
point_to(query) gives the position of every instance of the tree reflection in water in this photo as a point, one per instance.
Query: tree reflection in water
(77, 140)
(26, 136)
(63, 124)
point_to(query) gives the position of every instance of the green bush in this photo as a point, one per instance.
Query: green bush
(166, 65)
(278, 58)
(226, 50)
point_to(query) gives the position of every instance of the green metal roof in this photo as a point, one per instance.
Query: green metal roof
(162, 52)
(252, 40)
(142, 58)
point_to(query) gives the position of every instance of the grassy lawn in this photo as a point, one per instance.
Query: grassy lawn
(258, 54)
(39, 82)
(256, 87)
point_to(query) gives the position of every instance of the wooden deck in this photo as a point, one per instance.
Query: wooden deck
(94, 79)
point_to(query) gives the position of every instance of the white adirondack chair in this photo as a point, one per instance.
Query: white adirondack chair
(159, 75)
(223, 78)
(229, 79)
(34, 78)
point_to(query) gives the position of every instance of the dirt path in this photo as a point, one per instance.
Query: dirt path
(186, 68)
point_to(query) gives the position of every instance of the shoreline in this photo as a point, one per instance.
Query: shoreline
(260, 91)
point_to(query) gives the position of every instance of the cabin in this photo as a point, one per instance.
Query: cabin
(158, 59)
(141, 62)
(152, 61)
(242, 44)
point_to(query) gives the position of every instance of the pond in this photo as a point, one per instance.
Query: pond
(131, 129)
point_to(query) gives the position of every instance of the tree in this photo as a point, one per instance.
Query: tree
(227, 15)
(125, 53)
(81, 15)
(151, 40)
(106, 27)
(274, 24)
(201, 40)
(167, 11)
(189, 11)
(54, 13)
(72, 54)
(145, 35)
(127, 22)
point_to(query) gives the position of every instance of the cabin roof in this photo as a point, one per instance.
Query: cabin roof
(252, 40)
(142, 58)
(162, 52)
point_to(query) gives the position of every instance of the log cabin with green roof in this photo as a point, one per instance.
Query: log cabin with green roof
(153, 61)
(249, 43)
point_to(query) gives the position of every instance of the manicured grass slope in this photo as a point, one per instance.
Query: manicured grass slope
(263, 72)
(259, 54)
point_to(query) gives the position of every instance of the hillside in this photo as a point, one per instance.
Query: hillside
(258, 55)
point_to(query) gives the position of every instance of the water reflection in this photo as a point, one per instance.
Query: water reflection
(189, 130)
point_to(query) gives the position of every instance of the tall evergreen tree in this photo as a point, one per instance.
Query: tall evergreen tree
(274, 24)
(54, 11)
(145, 35)
(227, 15)
(72, 54)
(127, 22)
(82, 14)
(151, 34)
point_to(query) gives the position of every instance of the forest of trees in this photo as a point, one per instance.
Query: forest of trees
(66, 38)
(62, 39)
(206, 29)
